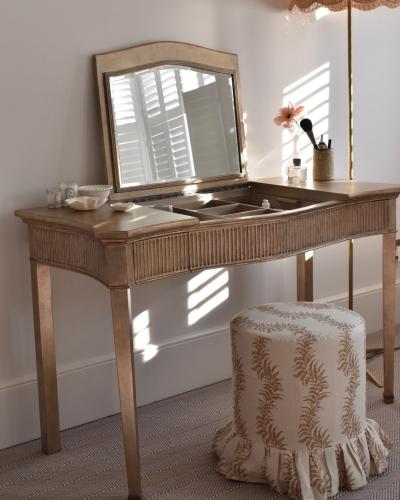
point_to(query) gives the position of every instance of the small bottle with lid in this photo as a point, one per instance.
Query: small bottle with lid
(266, 204)
(297, 174)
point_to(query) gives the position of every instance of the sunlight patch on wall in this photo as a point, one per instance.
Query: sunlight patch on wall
(309, 255)
(206, 291)
(141, 339)
(312, 92)
(149, 352)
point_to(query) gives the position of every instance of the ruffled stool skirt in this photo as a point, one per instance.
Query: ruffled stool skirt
(299, 402)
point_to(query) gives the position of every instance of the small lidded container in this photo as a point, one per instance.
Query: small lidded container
(297, 174)
(266, 204)
(54, 197)
(69, 190)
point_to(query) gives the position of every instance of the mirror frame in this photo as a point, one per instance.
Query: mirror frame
(150, 55)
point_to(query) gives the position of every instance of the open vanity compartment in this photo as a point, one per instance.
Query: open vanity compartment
(219, 210)
(231, 203)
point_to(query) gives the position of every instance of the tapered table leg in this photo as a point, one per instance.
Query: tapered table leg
(45, 358)
(123, 338)
(389, 280)
(305, 290)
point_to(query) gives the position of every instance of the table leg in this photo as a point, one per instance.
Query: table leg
(305, 291)
(389, 280)
(123, 338)
(45, 358)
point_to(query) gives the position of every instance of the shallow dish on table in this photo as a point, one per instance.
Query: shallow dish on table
(85, 203)
(123, 207)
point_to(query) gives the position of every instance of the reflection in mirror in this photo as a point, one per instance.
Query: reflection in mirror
(173, 123)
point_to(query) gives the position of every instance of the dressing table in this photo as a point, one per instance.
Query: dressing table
(174, 144)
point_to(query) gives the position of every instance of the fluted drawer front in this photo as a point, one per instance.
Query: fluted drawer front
(161, 256)
(251, 240)
(73, 250)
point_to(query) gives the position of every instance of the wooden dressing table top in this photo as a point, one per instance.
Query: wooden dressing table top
(107, 224)
(145, 220)
(338, 189)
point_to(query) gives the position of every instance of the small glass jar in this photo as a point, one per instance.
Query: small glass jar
(297, 174)
(68, 190)
(54, 198)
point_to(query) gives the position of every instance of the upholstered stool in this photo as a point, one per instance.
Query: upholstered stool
(299, 420)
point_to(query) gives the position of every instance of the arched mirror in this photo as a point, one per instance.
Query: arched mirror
(171, 117)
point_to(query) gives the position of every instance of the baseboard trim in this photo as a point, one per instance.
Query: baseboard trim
(88, 389)
(367, 302)
(71, 368)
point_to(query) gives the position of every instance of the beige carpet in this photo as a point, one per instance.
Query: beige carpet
(176, 459)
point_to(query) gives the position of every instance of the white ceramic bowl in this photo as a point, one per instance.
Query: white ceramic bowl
(101, 191)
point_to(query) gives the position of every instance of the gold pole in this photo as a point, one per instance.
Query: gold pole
(370, 375)
(350, 86)
(350, 138)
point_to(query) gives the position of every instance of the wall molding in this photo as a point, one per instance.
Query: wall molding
(367, 302)
(88, 388)
(71, 368)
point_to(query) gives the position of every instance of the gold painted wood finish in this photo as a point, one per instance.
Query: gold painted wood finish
(338, 189)
(123, 339)
(389, 304)
(125, 249)
(45, 358)
(104, 224)
(265, 237)
(305, 277)
(60, 248)
(140, 254)
(147, 56)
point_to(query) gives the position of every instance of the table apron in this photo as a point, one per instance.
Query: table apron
(124, 263)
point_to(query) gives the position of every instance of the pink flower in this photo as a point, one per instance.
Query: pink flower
(287, 115)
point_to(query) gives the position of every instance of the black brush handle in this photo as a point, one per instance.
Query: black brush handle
(307, 126)
(310, 134)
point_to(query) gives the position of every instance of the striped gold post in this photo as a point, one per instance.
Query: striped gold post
(350, 138)
(350, 87)
(370, 375)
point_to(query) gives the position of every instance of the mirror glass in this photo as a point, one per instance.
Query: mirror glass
(173, 123)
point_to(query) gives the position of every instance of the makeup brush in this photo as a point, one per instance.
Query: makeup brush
(307, 126)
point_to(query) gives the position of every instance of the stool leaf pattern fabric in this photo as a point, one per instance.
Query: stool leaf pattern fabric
(299, 420)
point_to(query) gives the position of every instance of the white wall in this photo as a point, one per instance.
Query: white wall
(49, 132)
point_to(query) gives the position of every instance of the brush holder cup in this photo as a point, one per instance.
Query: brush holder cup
(323, 164)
